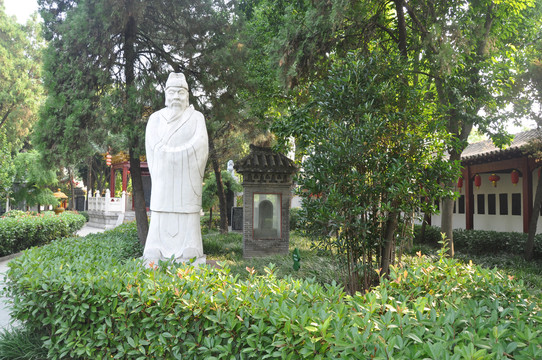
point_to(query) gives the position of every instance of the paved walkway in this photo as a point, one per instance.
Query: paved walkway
(4, 310)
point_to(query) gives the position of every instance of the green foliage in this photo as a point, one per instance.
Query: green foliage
(483, 242)
(21, 90)
(85, 214)
(295, 214)
(372, 150)
(7, 169)
(20, 231)
(32, 178)
(95, 302)
(210, 189)
(206, 227)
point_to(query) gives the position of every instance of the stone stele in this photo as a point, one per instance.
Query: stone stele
(177, 150)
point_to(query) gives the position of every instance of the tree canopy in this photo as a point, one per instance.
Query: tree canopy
(21, 91)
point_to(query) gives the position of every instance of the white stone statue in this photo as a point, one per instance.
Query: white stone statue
(177, 149)
(230, 167)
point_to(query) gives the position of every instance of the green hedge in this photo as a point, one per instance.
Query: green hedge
(96, 303)
(20, 230)
(482, 242)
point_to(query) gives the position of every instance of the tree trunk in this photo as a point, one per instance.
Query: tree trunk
(389, 243)
(446, 225)
(72, 189)
(425, 222)
(89, 183)
(130, 32)
(401, 28)
(139, 199)
(533, 222)
(210, 218)
(220, 188)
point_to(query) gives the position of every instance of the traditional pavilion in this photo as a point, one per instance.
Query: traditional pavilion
(497, 186)
(121, 162)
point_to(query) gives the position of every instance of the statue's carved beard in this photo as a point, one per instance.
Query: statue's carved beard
(177, 105)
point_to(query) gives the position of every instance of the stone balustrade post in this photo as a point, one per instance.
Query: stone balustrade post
(123, 202)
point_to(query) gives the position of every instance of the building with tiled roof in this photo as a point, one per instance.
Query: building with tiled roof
(497, 186)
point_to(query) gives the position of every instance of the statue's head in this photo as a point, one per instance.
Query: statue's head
(177, 91)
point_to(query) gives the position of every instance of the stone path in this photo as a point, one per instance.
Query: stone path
(4, 310)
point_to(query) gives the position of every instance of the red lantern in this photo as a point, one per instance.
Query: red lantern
(108, 159)
(494, 178)
(460, 183)
(515, 177)
(477, 181)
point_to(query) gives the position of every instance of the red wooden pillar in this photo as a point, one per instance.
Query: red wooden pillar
(527, 193)
(124, 177)
(469, 198)
(112, 182)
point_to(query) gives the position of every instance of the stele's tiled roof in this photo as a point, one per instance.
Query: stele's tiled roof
(486, 149)
(264, 160)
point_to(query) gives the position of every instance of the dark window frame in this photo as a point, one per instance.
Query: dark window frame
(503, 204)
(516, 204)
(461, 204)
(491, 204)
(481, 204)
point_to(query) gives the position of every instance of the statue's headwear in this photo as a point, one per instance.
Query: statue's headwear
(177, 80)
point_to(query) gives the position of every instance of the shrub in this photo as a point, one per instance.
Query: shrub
(215, 223)
(294, 218)
(432, 235)
(481, 242)
(85, 214)
(96, 303)
(20, 231)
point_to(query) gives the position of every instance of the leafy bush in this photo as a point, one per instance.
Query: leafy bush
(432, 235)
(480, 242)
(20, 230)
(294, 218)
(215, 223)
(85, 214)
(96, 303)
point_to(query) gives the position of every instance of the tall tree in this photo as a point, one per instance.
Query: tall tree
(530, 105)
(374, 153)
(7, 168)
(21, 91)
(463, 51)
(468, 49)
(33, 180)
(112, 56)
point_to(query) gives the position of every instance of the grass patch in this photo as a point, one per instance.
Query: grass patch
(228, 251)
(20, 344)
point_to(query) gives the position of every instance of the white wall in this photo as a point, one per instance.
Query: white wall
(495, 222)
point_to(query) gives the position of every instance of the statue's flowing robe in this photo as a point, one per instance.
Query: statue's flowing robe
(177, 151)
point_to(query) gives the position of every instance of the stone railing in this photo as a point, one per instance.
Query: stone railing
(107, 203)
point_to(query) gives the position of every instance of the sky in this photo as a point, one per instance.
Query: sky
(22, 9)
